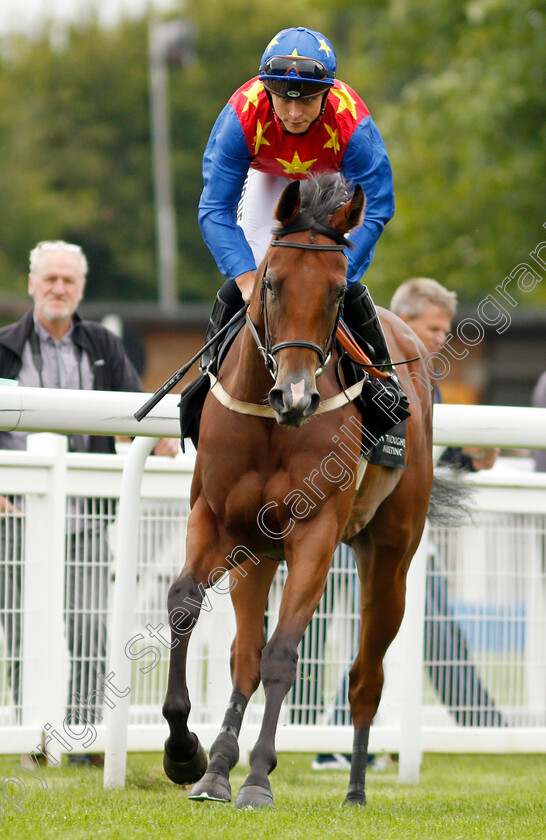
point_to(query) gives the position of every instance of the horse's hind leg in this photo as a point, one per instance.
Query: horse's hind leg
(249, 587)
(383, 552)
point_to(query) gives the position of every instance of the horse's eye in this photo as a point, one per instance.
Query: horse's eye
(341, 293)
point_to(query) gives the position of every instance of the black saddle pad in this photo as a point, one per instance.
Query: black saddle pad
(383, 432)
(390, 450)
(191, 406)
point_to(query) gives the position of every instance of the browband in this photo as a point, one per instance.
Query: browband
(307, 246)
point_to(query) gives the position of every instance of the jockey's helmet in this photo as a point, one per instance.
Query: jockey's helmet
(298, 62)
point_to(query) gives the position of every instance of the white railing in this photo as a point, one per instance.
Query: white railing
(137, 717)
(106, 413)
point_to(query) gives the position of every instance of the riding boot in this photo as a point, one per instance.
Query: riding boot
(228, 301)
(360, 315)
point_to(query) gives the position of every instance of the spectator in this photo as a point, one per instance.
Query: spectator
(428, 308)
(52, 347)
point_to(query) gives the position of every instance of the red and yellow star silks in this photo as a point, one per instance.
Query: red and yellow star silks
(296, 166)
(297, 156)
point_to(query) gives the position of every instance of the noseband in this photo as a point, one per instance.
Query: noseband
(268, 351)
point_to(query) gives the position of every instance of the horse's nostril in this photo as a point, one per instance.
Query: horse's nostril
(276, 399)
(281, 401)
(314, 402)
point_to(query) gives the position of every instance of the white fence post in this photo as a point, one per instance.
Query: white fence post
(45, 658)
(117, 718)
(535, 636)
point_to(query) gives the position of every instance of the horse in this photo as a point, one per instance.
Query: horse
(275, 478)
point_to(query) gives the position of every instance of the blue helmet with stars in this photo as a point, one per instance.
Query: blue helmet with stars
(298, 62)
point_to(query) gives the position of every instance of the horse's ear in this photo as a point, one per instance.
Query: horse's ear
(351, 214)
(288, 205)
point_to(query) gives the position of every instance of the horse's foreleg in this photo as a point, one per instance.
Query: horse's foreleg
(302, 592)
(278, 671)
(184, 759)
(224, 755)
(249, 587)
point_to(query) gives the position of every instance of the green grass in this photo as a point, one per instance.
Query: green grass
(492, 797)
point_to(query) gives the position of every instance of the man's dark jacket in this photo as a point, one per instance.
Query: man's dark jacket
(112, 369)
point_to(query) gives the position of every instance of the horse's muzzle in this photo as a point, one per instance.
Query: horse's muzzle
(293, 402)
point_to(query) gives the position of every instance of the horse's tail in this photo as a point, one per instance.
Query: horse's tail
(451, 499)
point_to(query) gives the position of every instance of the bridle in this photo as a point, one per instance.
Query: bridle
(268, 351)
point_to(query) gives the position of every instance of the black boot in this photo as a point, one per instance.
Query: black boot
(228, 301)
(360, 315)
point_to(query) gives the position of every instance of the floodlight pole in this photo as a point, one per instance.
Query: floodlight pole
(168, 42)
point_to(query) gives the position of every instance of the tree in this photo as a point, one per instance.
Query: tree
(457, 90)
(466, 135)
(75, 151)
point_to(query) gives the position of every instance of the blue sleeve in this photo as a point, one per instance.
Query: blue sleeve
(225, 166)
(366, 162)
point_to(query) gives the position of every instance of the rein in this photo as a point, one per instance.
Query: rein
(269, 350)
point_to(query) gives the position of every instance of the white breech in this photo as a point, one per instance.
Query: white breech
(257, 205)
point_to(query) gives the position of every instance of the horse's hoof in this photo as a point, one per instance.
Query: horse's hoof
(185, 772)
(254, 796)
(355, 796)
(213, 786)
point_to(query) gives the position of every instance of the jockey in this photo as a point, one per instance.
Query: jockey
(293, 120)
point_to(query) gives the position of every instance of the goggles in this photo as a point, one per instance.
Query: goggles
(289, 65)
(294, 88)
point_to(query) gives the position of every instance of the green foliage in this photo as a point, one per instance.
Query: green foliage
(458, 92)
(467, 140)
(75, 156)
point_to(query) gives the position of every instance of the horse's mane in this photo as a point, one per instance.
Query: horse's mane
(321, 195)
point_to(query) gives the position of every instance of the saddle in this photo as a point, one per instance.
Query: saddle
(378, 424)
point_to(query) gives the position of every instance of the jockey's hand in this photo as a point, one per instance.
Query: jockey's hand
(246, 284)
(170, 447)
(482, 459)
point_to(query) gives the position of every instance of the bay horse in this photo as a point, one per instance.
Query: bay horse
(267, 486)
